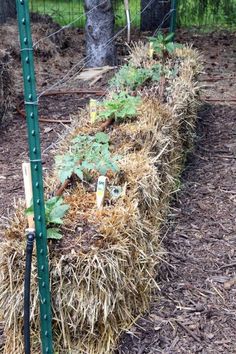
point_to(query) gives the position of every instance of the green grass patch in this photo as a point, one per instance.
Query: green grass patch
(207, 15)
(66, 11)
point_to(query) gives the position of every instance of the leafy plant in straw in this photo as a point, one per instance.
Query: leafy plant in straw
(130, 77)
(120, 106)
(55, 210)
(87, 153)
(164, 46)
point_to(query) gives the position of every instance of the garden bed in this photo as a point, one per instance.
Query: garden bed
(102, 270)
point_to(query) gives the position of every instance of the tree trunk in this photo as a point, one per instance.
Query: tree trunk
(99, 30)
(153, 15)
(7, 10)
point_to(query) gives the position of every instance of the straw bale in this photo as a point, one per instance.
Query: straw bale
(47, 50)
(103, 270)
(6, 85)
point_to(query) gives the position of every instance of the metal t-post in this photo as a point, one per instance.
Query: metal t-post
(31, 106)
(173, 16)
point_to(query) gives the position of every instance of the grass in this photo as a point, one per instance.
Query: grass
(207, 14)
(66, 11)
(191, 13)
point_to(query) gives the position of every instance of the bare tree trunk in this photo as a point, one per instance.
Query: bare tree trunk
(7, 10)
(99, 30)
(153, 15)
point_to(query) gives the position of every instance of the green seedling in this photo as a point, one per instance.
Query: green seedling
(164, 46)
(130, 77)
(121, 106)
(55, 210)
(87, 153)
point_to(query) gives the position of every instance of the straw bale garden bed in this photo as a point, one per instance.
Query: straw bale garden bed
(103, 261)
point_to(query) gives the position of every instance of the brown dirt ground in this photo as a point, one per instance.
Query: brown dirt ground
(194, 311)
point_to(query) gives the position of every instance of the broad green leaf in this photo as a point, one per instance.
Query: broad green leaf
(87, 165)
(58, 212)
(170, 47)
(57, 221)
(52, 201)
(54, 233)
(30, 210)
(79, 173)
(169, 37)
(64, 174)
(102, 137)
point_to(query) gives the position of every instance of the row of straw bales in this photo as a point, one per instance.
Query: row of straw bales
(102, 272)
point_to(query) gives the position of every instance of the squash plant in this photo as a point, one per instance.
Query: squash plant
(164, 45)
(120, 106)
(55, 210)
(132, 78)
(87, 153)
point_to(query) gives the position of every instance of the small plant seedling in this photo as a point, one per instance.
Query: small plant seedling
(120, 107)
(87, 153)
(55, 210)
(164, 45)
(130, 77)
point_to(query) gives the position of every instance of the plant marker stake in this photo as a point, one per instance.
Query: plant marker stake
(28, 193)
(150, 50)
(31, 107)
(30, 234)
(101, 191)
(93, 110)
(173, 17)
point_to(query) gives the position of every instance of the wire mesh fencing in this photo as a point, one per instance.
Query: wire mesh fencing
(205, 14)
(66, 11)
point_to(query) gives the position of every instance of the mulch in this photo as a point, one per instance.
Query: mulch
(195, 309)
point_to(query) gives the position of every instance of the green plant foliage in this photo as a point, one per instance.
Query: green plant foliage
(130, 77)
(55, 210)
(120, 107)
(163, 45)
(87, 153)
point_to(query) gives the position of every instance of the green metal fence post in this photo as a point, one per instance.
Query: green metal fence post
(173, 16)
(31, 106)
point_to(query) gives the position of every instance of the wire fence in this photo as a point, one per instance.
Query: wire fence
(206, 14)
(65, 11)
(77, 67)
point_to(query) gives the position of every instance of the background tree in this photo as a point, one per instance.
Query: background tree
(7, 10)
(153, 14)
(98, 31)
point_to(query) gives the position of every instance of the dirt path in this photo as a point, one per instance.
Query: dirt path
(195, 311)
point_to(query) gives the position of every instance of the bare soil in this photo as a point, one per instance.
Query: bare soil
(195, 309)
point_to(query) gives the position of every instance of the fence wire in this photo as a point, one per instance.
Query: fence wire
(205, 14)
(76, 68)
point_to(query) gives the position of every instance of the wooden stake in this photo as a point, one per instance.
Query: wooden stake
(127, 11)
(28, 191)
